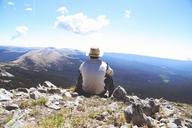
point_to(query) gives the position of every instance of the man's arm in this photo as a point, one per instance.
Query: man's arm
(109, 80)
(79, 83)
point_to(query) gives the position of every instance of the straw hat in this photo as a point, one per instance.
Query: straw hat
(94, 52)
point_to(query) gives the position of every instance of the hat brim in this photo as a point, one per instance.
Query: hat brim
(94, 55)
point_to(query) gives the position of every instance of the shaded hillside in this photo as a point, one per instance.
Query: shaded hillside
(11, 53)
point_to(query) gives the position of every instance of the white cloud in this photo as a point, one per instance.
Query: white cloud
(81, 24)
(62, 10)
(20, 30)
(28, 9)
(10, 3)
(127, 13)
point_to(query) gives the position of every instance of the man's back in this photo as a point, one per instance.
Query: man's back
(93, 73)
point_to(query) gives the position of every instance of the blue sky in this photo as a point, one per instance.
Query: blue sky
(161, 28)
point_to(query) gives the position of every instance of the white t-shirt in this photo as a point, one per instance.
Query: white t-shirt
(93, 74)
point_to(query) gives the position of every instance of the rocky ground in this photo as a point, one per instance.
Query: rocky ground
(48, 106)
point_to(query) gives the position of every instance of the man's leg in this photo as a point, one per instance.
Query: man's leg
(109, 86)
(78, 88)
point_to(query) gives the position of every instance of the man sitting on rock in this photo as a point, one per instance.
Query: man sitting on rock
(95, 76)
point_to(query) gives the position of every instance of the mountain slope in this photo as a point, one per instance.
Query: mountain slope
(48, 106)
(141, 75)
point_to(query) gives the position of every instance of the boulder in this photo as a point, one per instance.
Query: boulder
(35, 95)
(119, 94)
(178, 121)
(10, 107)
(53, 102)
(172, 125)
(32, 89)
(150, 107)
(188, 124)
(134, 113)
(49, 84)
(23, 90)
(54, 90)
(15, 124)
(74, 94)
(51, 105)
(67, 94)
(5, 95)
(42, 90)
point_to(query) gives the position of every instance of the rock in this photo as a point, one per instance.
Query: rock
(119, 93)
(32, 89)
(71, 104)
(78, 100)
(128, 113)
(113, 106)
(168, 111)
(126, 126)
(135, 114)
(53, 102)
(22, 94)
(178, 122)
(188, 124)
(22, 90)
(42, 90)
(35, 95)
(150, 107)
(135, 99)
(163, 120)
(172, 125)
(150, 122)
(11, 107)
(5, 95)
(74, 94)
(52, 106)
(49, 84)
(55, 97)
(54, 90)
(15, 124)
(67, 94)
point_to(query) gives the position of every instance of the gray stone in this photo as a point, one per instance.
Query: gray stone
(172, 125)
(126, 126)
(74, 94)
(42, 90)
(52, 106)
(188, 124)
(150, 107)
(22, 90)
(134, 114)
(119, 93)
(11, 107)
(32, 89)
(5, 95)
(35, 95)
(54, 90)
(67, 94)
(178, 122)
(15, 124)
(113, 106)
(49, 84)
(55, 97)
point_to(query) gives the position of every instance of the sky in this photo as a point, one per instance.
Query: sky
(160, 28)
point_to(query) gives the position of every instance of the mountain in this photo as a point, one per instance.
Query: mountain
(141, 75)
(46, 58)
(9, 53)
